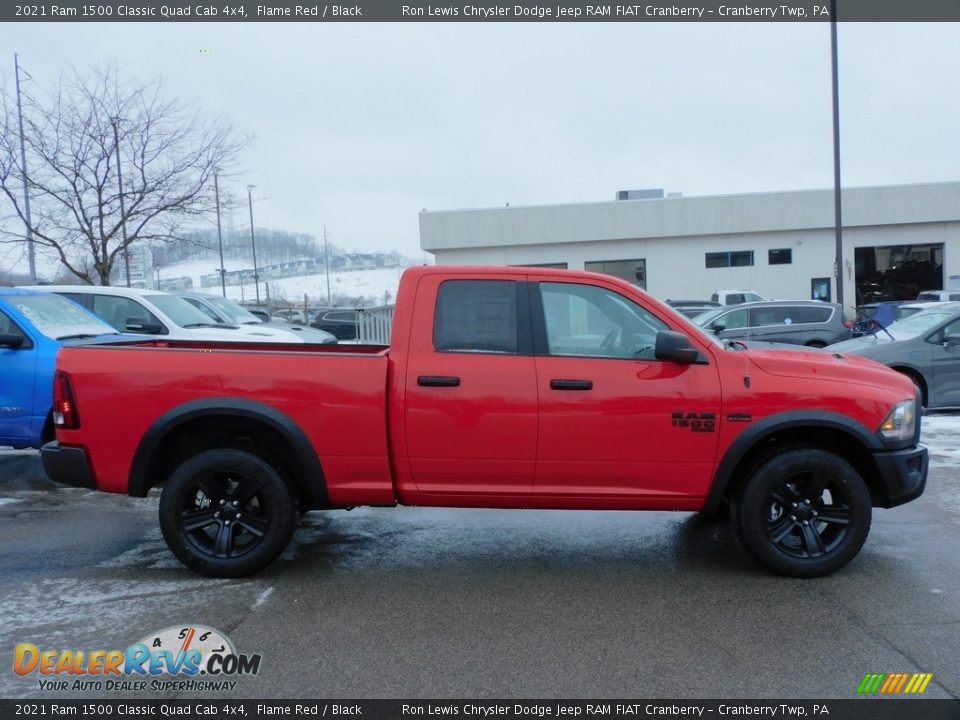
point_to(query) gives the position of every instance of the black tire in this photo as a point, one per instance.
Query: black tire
(227, 513)
(803, 513)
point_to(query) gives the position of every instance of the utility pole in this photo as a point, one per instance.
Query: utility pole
(253, 243)
(123, 212)
(223, 272)
(31, 259)
(326, 262)
(837, 203)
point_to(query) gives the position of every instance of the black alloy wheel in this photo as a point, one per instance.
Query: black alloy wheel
(227, 513)
(804, 512)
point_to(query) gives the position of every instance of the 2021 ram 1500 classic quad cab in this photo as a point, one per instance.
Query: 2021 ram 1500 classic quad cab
(503, 388)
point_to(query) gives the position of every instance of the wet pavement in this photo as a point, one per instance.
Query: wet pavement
(484, 603)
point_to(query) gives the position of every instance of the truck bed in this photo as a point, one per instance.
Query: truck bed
(334, 394)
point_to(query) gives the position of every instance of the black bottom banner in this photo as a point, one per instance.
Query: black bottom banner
(858, 709)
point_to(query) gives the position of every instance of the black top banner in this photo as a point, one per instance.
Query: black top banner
(481, 11)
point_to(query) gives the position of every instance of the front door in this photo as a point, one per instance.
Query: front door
(946, 366)
(614, 421)
(17, 376)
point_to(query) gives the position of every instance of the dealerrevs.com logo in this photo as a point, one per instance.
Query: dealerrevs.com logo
(180, 658)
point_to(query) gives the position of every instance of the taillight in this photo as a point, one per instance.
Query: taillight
(64, 404)
(848, 325)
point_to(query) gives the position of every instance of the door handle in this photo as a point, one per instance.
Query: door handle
(571, 385)
(438, 381)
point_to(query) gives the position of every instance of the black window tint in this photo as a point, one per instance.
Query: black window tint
(118, 310)
(7, 326)
(811, 314)
(476, 316)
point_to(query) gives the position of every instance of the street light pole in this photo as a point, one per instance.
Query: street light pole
(326, 262)
(253, 243)
(223, 272)
(31, 260)
(123, 212)
(837, 204)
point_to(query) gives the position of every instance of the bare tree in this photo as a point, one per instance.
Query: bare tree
(74, 137)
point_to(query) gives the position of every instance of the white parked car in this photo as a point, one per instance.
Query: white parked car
(152, 312)
(938, 296)
(735, 297)
(230, 312)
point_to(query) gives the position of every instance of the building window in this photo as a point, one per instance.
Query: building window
(633, 271)
(783, 256)
(738, 258)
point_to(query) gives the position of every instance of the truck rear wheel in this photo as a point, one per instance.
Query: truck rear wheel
(227, 513)
(804, 512)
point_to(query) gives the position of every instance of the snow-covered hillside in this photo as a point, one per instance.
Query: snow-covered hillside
(372, 285)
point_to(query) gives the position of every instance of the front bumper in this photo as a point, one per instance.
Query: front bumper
(903, 474)
(67, 465)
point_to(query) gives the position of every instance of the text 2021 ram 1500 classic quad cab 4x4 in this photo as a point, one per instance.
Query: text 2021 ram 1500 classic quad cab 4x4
(503, 388)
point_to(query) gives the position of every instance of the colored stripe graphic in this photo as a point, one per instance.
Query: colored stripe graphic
(894, 683)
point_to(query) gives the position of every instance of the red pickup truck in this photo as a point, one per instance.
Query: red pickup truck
(503, 388)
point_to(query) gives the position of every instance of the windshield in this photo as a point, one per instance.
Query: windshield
(233, 311)
(920, 323)
(57, 318)
(178, 310)
(705, 318)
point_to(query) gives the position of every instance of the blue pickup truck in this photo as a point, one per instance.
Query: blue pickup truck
(33, 326)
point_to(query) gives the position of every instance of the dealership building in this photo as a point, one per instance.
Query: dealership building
(897, 241)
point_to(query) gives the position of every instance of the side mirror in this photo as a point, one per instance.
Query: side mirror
(718, 328)
(951, 340)
(675, 347)
(11, 340)
(142, 325)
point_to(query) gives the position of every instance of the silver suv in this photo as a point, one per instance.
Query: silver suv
(799, 322)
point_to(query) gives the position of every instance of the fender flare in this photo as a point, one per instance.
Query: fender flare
(314, 481)
(755, 434)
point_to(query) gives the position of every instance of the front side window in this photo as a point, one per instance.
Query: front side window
(476, 316)
(118, 310)
(733, 320)
(585, 320)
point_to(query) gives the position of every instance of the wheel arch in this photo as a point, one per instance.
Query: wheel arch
(187, 429)
(828, 431)
(918, 378)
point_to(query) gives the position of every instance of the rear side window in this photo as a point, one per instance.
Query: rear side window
(806, 314)
(476, 316)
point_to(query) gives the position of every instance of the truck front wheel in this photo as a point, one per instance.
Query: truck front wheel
(804, 512)
(227, 513)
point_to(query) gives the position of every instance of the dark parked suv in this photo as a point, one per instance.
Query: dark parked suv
(342, 323)
(799, 322)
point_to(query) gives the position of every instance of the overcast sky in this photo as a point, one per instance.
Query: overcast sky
(359, 126)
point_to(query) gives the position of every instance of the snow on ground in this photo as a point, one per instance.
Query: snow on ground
(370, 284)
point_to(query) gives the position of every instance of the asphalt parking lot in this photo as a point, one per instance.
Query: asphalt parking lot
(448, 603)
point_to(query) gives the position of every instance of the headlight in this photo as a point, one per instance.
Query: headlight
(901, 421)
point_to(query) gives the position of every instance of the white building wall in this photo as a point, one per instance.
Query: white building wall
(674, 234)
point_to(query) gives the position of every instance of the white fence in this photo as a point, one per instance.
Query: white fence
(374, 325)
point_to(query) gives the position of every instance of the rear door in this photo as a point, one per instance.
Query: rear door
(614, 421)
(470, 388)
